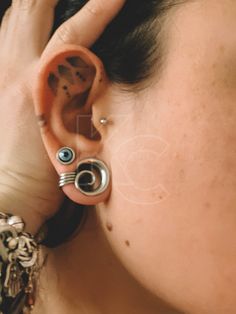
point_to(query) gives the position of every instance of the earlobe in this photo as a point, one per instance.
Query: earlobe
(68, 85)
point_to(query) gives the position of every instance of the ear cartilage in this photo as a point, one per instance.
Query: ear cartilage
(66, 73)
(41, 120)
(80, 76)
(66, 155)
(53, 83)
(76, 62)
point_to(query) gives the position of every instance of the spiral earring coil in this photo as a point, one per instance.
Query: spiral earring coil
(93, 177)
(67, 178)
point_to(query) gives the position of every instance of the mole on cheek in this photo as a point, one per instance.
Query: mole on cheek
(127, 243)
(109, 226)
(207, 205)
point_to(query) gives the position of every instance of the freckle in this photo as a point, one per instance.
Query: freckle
(127, 243)
(214, 82)
(208, 205)
(222, 48)
(181, 172)
(214, 65)
(109, 226)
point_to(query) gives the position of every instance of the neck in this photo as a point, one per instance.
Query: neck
(84, 276)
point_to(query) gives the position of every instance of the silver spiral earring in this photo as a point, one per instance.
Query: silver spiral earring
(91, 178)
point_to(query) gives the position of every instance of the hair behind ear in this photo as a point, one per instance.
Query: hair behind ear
(132, 44)
(4, 5)
(67, 222)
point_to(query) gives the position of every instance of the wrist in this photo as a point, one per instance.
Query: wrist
(18, 205)
(19, 255)
(34, 200)
(18, 197)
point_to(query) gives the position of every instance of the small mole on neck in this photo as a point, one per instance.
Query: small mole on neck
(127, 243)
(109, 226)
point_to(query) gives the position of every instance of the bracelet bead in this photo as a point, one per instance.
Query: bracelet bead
(19, 269)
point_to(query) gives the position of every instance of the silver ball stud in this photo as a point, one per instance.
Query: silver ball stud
(104, 121)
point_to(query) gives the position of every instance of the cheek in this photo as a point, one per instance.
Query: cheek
(171, 217)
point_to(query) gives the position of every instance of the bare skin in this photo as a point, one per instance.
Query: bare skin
(173, 226)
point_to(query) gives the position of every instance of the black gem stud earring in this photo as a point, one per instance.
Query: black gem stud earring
(66, 155)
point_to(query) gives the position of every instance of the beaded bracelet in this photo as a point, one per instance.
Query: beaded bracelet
(19, 266)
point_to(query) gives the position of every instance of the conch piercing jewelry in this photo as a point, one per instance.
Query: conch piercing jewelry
(66, 155)
(91, 178)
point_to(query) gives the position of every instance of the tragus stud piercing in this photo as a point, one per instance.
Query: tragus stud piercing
(104, 121)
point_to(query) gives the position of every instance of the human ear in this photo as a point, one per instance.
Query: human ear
(68, 87)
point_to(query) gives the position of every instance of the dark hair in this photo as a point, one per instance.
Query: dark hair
(130, 47)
